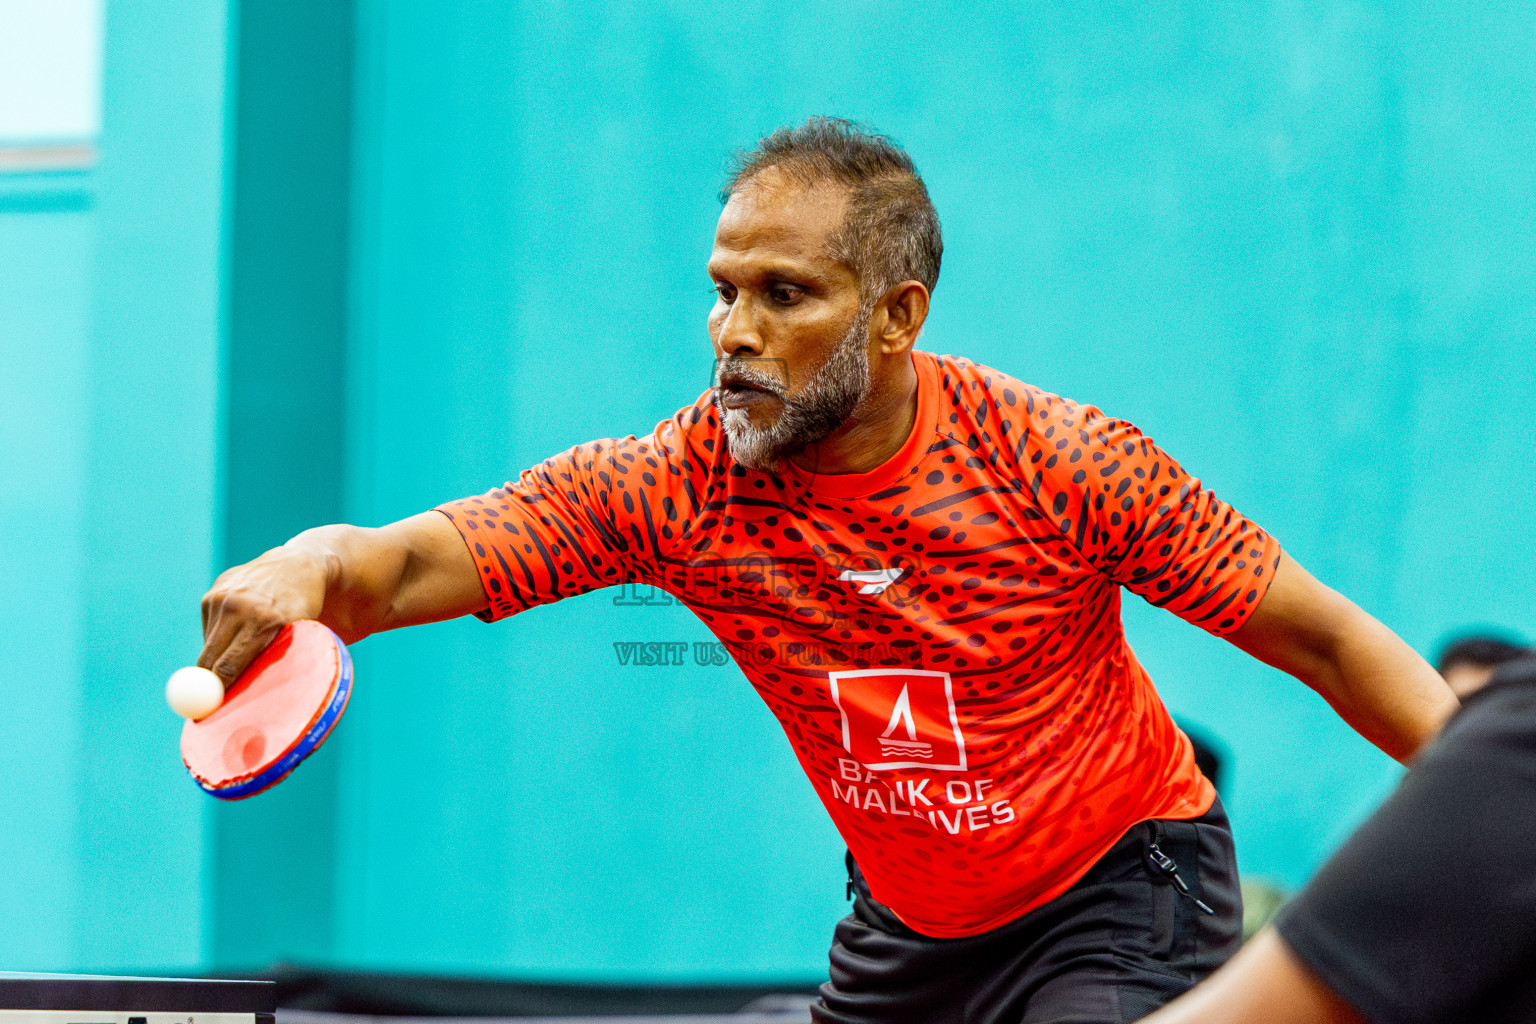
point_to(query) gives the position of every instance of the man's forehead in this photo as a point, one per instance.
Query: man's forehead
(773, 216)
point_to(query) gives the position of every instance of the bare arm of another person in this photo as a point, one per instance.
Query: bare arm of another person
(1375, 681)
(356, 580)
(1263, 984)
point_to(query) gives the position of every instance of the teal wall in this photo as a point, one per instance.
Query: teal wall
(45, 342)
(273, 891)
(110, 298)
(1289, 240)
(1255, 229)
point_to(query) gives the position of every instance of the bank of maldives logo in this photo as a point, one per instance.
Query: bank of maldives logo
(899, 718)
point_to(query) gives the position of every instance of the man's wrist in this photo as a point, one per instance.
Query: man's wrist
(319, 546)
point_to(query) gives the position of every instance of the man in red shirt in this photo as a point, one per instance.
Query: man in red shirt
(917, 562)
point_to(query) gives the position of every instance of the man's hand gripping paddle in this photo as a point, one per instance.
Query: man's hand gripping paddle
(275, 715)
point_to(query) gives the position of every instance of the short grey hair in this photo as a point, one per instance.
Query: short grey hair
(890, 232)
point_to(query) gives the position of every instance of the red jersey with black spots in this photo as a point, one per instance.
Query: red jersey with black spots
(940, 638)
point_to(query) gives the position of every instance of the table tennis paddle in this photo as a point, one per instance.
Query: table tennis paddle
(275, 715)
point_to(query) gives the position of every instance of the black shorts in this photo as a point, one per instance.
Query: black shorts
(1117, 945)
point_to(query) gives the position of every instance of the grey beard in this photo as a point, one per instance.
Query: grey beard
(826, 401)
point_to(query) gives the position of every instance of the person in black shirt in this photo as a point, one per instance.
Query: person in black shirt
(1427, 914)
(1467, 663)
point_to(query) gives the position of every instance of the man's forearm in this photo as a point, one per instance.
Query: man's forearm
(1375, 681)
(403, 574)
(1382, 688)
(356, 580)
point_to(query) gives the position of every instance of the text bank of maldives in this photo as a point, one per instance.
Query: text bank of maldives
(940, 638)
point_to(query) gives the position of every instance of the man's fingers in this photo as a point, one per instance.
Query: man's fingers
(218, 630)
(248, 604)
(237, 630)
(249, 641)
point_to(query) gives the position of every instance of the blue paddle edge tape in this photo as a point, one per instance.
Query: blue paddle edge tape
(307, 745)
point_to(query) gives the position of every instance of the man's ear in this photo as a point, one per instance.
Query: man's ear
(905, 307)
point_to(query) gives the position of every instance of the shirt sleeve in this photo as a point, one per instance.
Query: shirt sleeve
(603, 513)
(1133, 512)
(1428, 912)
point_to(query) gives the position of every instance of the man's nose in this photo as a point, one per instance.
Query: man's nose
(738, 334)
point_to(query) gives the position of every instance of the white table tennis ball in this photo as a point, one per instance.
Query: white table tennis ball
(194, 693)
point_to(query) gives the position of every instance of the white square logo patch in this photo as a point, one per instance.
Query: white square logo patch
(899, 718)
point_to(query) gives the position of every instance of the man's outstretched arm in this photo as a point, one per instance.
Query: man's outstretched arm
(1375, 681)
(356, 580)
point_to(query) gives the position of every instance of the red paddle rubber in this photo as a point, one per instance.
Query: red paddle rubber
(277, 713)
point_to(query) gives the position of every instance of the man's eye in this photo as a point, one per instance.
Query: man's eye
(726, 293)
(785, 294)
